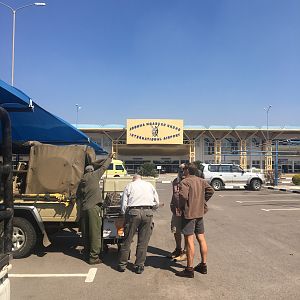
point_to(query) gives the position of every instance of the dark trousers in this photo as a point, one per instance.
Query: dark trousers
(92, 227)
(141, 220)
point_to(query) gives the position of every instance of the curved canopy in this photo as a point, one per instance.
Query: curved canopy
(12, 99)
(30, 122)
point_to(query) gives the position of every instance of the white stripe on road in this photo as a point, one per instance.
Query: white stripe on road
(284, 200)
(89, 277)
(265, 209)
(255, 195)
(231, 187)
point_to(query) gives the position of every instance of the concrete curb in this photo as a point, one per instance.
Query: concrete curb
(282, 190)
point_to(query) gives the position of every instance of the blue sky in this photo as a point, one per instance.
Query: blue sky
(209, 62)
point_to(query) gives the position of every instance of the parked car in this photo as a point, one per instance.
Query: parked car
(220, 176)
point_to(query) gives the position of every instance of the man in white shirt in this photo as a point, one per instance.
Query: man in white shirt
(138, 201)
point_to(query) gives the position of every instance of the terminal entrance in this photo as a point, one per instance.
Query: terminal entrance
(167, 166)
(169, 157)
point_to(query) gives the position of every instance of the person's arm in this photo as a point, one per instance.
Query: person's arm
(98, 163)
(79, 192)
(175, 196)
(104, 166)
(209, 191)
(183, 193)
(124, 200)
(156, 199)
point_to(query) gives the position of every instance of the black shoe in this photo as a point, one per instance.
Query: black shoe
(95, 261)
(121, 269)
(201, 268)
(175, 253)
(139, 269)
(187, 272)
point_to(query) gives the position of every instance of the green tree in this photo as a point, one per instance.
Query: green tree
(148, 169)
(296, 179)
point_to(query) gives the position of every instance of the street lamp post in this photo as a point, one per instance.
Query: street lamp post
(78, 107)
(14, 11)
(267, 109)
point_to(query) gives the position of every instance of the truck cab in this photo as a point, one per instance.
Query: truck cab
(116, 169)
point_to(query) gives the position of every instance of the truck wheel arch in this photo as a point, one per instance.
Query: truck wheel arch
(24, 237)
(252, 183)
(31, 226)
(217, 180)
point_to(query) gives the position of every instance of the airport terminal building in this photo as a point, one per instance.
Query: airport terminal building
(169, 142)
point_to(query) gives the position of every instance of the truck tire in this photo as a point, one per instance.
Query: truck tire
(24, 237)
(255, 184)
(217, 184)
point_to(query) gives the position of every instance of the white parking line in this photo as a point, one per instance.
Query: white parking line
(89, 277)
(266, 209)
(284, 200)
(255, 195)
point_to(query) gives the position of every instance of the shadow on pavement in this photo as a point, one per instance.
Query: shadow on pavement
(67, 243)
(157, 261)
(161, 260)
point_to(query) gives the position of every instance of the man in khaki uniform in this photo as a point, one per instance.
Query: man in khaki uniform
(90, 195)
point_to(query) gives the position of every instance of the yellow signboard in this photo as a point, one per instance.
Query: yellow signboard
(154, 131)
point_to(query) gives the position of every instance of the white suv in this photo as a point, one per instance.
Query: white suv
(230, 175)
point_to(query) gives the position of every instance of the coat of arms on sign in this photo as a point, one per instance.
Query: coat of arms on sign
(155, 131)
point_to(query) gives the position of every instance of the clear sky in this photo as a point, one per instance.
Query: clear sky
(209, 62)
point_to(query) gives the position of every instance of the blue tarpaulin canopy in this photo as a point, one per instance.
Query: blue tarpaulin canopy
(13, 99)
(30, 122)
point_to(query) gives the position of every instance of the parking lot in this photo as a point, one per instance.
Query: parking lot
(253, 240)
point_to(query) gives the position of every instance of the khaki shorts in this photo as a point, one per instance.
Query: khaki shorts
(192, 226)
(176, 224)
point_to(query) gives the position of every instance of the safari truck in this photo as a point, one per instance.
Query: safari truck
(45, 199)
(6, 206)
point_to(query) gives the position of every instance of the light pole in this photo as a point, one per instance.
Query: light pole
(77, 109)
(14, 11)
(267, 109)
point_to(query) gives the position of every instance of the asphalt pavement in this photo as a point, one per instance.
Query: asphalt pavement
(254, 253)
